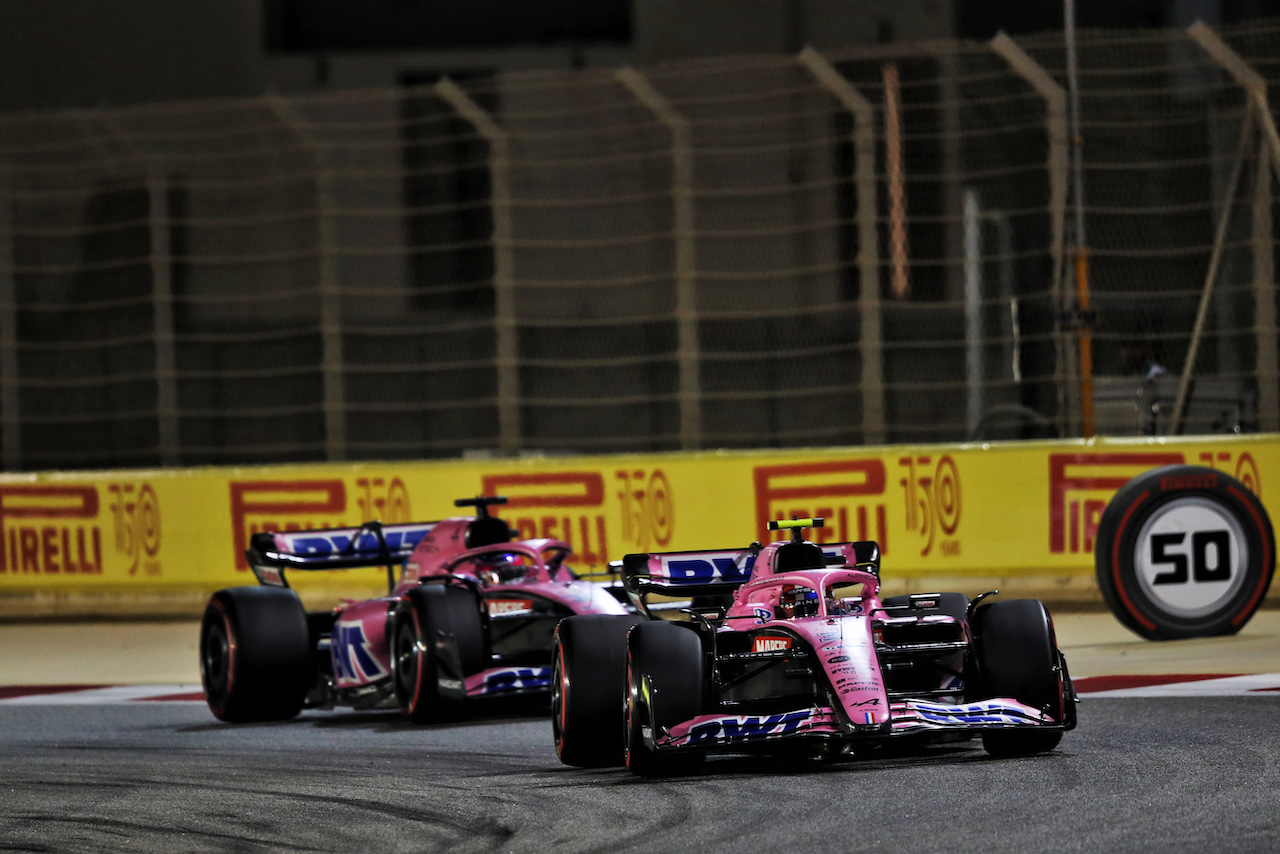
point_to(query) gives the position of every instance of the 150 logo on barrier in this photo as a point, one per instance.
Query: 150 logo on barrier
(135, 510)
(932, 493)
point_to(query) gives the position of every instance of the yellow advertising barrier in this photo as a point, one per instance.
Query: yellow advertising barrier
(970, 515)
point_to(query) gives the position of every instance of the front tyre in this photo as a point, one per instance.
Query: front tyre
(665, 683)
(588, 663)
(1017, 656)
(438, 640)
(255, 654)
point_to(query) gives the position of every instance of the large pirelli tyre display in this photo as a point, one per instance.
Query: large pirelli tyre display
(1184, 551)
(255, 654)
(589, 663)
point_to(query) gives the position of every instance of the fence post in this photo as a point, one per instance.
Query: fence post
(1058, 166)
(509, 428)
(162, 300)
(331, 359)
(688, 347)
(1255, 87)
(864, 177)
(10, 413)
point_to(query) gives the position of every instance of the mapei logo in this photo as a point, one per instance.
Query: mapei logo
(50, 530)
(353, 659)
(770, 643)
(748, 728)
(708, 568)
(302, 505)
(565, 506)
(509, 679)
(848, 494)
(498, 607)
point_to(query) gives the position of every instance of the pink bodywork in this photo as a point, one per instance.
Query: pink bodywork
(360, 648)
(842, 635)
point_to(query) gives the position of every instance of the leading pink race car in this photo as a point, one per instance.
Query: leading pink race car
(788, 647)
(470, 613)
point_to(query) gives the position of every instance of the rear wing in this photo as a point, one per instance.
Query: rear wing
(270, 553)
(686, 574)
(719, 573)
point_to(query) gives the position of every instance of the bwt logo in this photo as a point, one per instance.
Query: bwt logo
(50, 530)
(302, 505)
(848, 494)
(517, 679)
(399, 541)
(748, 728)
(1074, 513)
(565, 506)
(708, 568)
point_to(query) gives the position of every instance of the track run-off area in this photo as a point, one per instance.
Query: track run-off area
(105, 745)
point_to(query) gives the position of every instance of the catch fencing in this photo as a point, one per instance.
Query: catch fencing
(853, 247)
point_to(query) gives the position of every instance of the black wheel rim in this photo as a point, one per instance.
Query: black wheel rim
(559, 688)
(215, 661)
(407, 662)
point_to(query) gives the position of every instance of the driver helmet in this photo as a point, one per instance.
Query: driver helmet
(499, 568)
(797, 601)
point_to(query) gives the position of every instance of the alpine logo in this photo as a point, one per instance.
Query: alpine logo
(498, 607)
(771, 643)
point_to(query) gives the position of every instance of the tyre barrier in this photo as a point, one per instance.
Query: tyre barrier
(1184, 551)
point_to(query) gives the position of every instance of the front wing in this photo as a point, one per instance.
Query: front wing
(908, 717)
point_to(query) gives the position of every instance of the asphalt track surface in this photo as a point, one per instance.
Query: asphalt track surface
(1141, 773)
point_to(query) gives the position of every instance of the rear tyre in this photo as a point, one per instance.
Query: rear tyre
(255, 654)
(439, 634)
(588, 664)
(1017, 657)
(665, 684)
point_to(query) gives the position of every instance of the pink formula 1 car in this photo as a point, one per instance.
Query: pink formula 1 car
(469, 613)
(800, 654)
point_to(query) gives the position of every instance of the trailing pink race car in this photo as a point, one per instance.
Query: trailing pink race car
(470, 613)
(800, 653)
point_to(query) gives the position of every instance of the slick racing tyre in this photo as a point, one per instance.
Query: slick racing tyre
(665, 683)
(1017, 656)
(255, 654)
(1184, 551)
(588, 664)
(438, 642)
